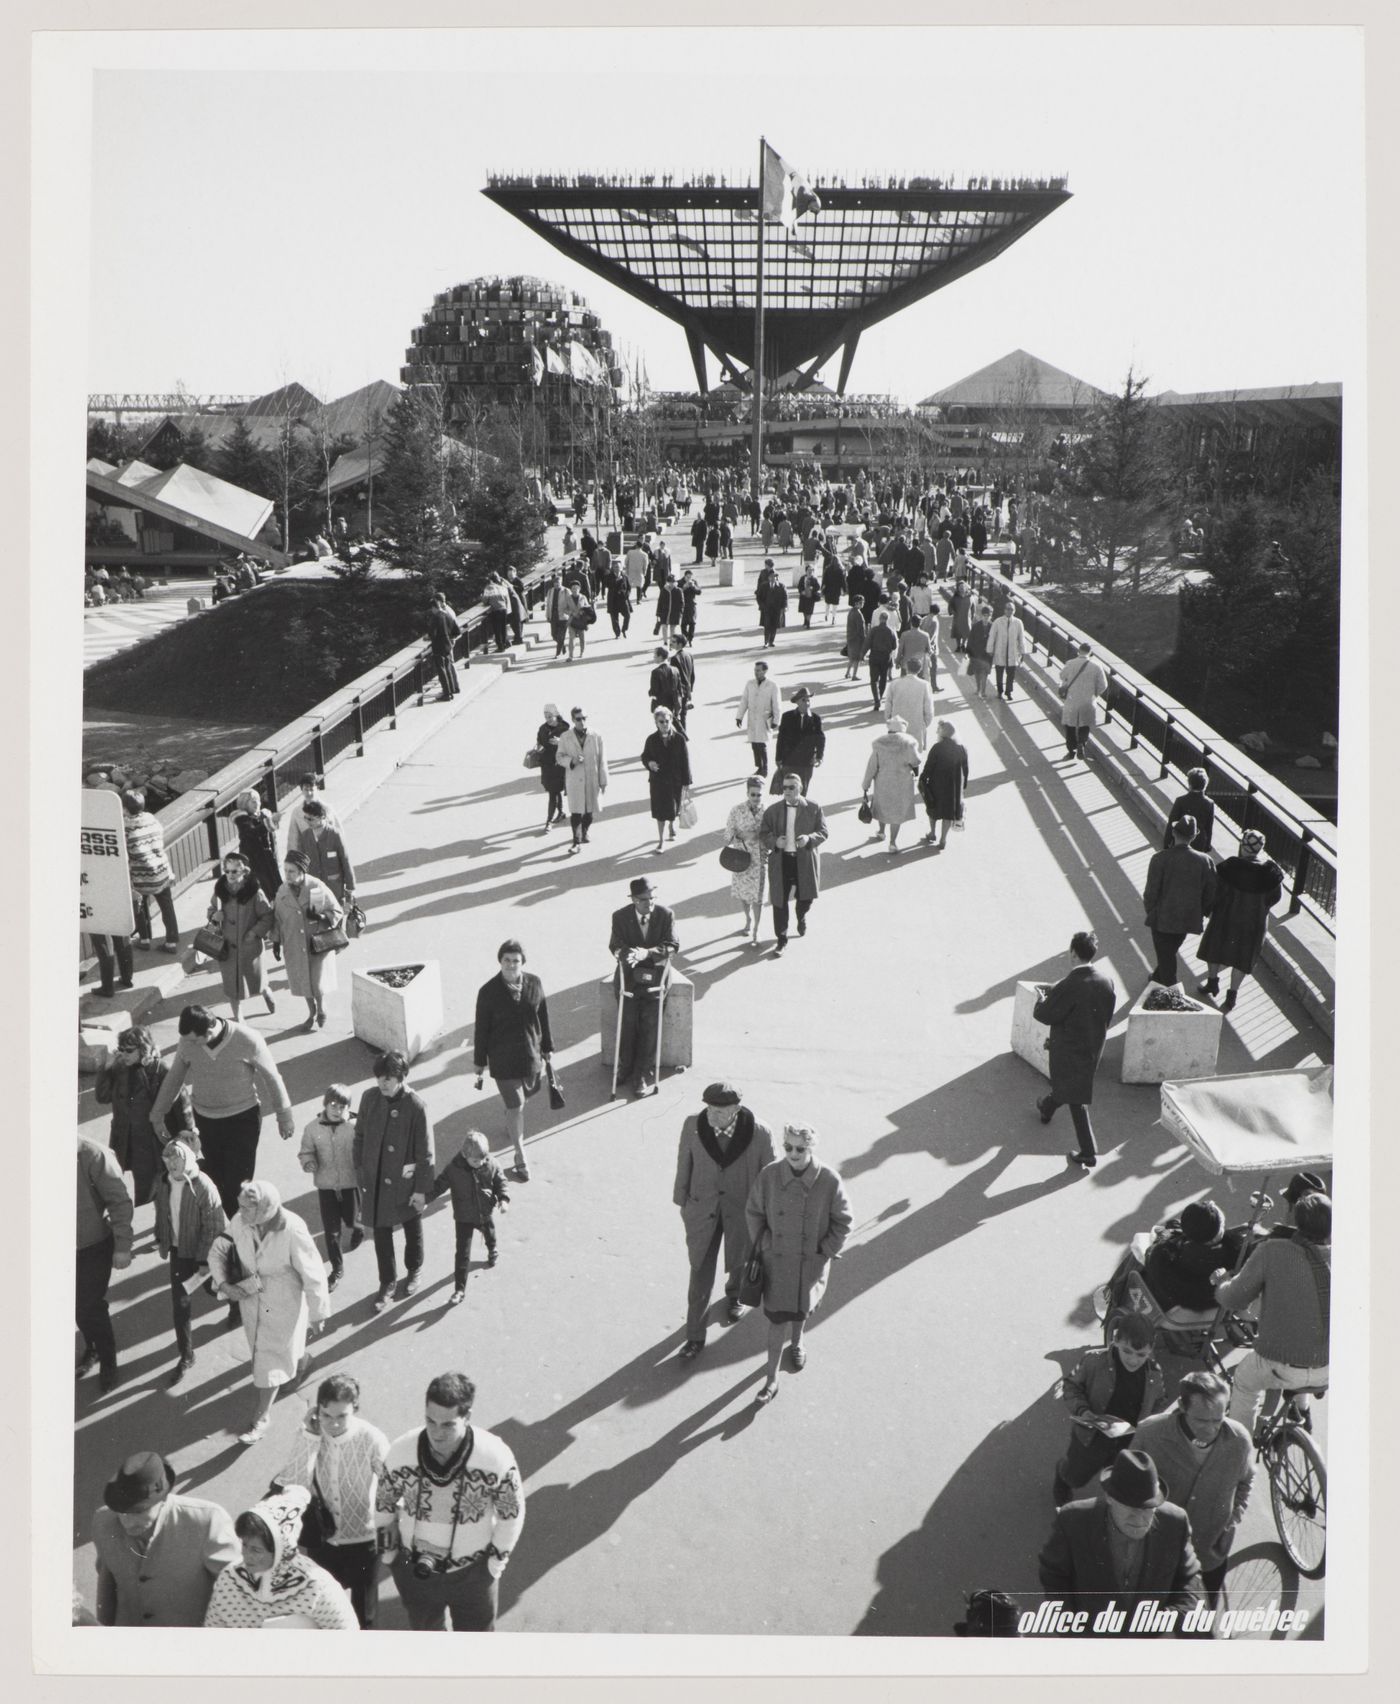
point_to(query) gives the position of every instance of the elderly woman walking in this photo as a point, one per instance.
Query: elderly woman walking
(741, 831)
(798, 1220)
(547, 738)
(1247, 887)
(279, 1283)
(943, 783)
(243, 919)
(304, 909)
(666, 758)
(889, 779)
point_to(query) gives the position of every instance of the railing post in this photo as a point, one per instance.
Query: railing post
(1167, 726)
(270, 784)
(1108, 700)
(1137, 706)
(211, 824)
(393, 700)
(359, 713)
(420, 680)
(318, 751)
(1300, 874)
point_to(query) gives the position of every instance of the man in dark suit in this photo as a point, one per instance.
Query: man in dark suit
(801, 742)
(1178, 897)
(683, 662)
(1129, 1548)
(642, 940)
(792, 832)
(664, 686)
(1078, 1009)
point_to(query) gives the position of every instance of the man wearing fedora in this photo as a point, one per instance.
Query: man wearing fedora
(1128, 1547)
(158, 1554)
(642, 940)
(723, 1148)
(801, 742)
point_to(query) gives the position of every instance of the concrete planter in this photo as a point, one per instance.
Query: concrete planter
(731, 573)
(1029, 1040)
(677, 1028)
(1170, 1046)
(405, 1020)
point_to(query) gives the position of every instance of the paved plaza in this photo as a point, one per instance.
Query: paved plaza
(911, 1460)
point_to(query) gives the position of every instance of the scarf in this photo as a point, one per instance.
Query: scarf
(739, 1139)
(241, 896)
(281, 1515)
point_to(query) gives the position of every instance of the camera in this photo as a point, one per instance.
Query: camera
(424, 1567)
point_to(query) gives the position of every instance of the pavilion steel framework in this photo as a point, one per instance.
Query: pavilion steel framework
(692, 254)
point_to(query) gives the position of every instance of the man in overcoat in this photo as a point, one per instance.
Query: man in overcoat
(791, 833)
(642, 940)
(1178, 897)
(759, 707)
(158, 1554)
(801, 741)
(722, 1150)
(1078, 1009)
(511, 1039)
(393, 1155)
(1129, 1547)
(664, 685)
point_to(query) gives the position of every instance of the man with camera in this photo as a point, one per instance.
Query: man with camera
(448, 1511)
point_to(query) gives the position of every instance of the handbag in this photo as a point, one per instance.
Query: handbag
(865, 813)
(751, 1280)
(533, 758)
(330, 939)
(209, 943)
(587, 615)
(317, 1521)
(689, 816)
(735, 859)
(556, 1094)
(356, 922)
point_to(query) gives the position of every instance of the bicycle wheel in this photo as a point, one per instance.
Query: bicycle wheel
(1298, 1493)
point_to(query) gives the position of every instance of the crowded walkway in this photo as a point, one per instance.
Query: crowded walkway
(962, 1292)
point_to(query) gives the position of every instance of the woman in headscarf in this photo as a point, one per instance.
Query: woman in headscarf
(943, 782)
(798, 1220)
(129, 1085)
(279, 1284)
(889, 778)
(1247, 888)
(741, 828)
(304, 907)
(274, 1585)
(666, 758)
(551, 770)
(244, 918)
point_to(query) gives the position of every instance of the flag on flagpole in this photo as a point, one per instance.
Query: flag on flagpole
(786, 193)
(536, 365)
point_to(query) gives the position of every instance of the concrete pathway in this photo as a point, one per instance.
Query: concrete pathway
(911, 1461)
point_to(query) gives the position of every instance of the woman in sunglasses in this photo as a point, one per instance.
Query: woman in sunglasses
(798, 1220)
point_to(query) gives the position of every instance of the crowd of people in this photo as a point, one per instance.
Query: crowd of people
(443, 1506)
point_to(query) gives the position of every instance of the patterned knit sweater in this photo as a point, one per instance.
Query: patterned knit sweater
(484, 1498)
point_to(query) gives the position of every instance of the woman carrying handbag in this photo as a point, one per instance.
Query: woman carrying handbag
(241, 919)
(307, 917)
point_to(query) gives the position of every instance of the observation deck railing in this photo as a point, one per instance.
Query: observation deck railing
(1305, 852)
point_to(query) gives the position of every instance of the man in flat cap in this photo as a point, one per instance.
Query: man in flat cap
(158, 1554)
(723, 1148)
(642, 940)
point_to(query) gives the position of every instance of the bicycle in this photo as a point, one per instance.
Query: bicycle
(1297, 1481)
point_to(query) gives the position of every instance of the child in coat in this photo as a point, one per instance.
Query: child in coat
(1107, 1393)
(478, 1189)
(326, 1152)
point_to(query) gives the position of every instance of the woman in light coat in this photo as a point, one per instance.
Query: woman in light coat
(798, 1219)
(742, 827)
(304, 907)
(281, 1292)
(580, 751)
(244, 919)
(1082, 679)
(889, 779)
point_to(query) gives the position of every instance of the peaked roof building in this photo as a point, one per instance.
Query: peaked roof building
(1018, 380)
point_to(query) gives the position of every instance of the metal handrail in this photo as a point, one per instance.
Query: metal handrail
(1307, 857)
(197, 825)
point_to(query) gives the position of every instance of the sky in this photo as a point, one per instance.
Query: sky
(275, 208)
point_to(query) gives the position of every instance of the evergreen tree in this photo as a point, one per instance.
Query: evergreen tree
(1117, 484)
(243, 462)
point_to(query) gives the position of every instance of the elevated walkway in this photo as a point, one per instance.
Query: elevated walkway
(924, 1427)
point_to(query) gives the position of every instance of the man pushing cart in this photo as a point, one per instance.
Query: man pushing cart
(642, 941)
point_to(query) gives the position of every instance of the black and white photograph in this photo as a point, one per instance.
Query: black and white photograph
(718, 721)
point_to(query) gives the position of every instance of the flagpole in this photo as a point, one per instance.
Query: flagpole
(757, 476)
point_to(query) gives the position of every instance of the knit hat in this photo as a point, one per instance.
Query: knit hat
(1202, 1222)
